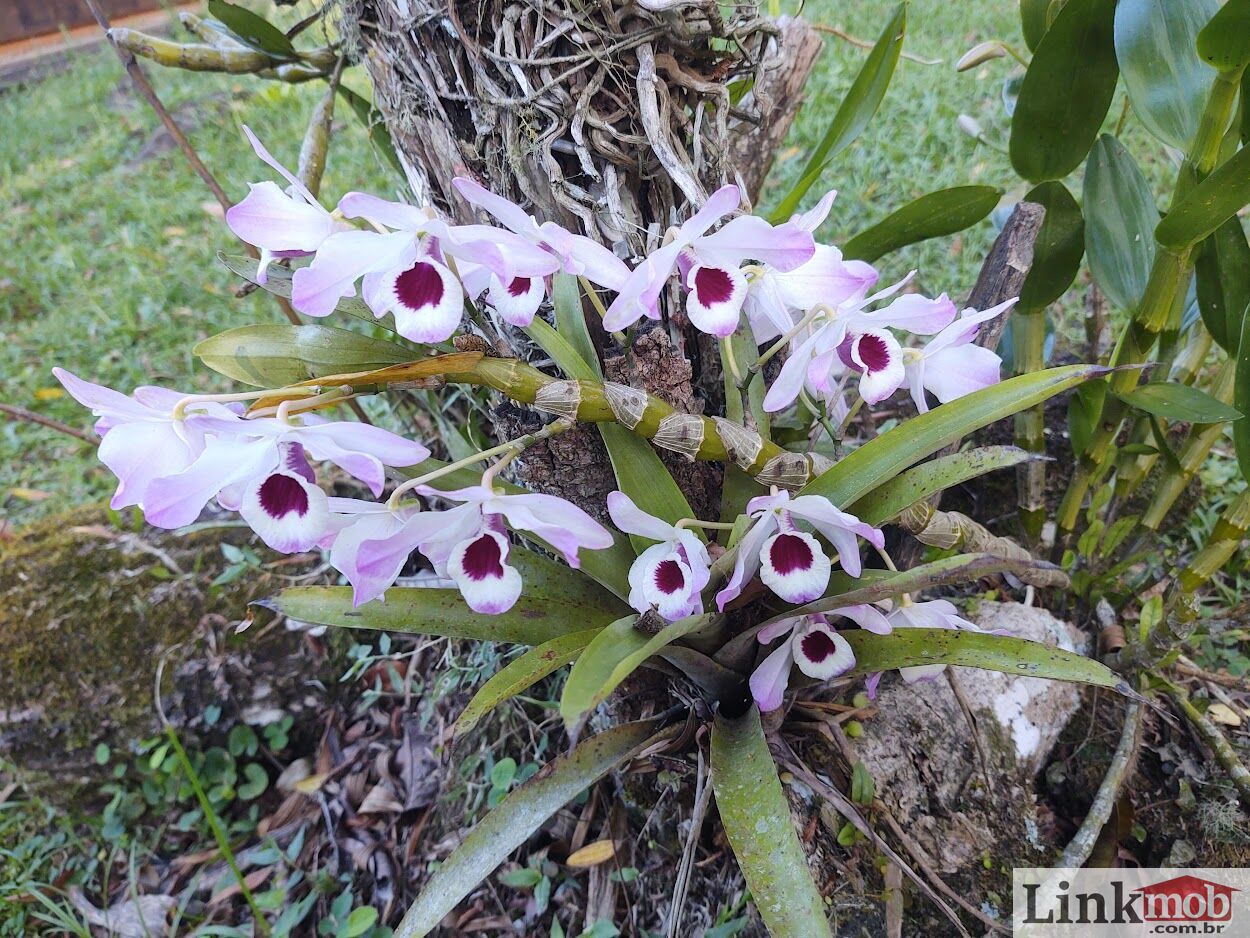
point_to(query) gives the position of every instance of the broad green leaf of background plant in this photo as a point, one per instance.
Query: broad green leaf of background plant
(885, 502)
(930, 216)
(1167, 82)
(906, 648)
(1066, 91)
(1225, 41)
(1059, 247)
(613, 655)
(756, 815)
(1120, 217)
(639, 472)
(1173, 401)
(521, 674)
(1222, 282)
(881, 459)
(556, 601)
(855, 112)
(519, 815)
(1208, 205)
(375, 127)
(253, 30)
(1241, 398)
(277, 355)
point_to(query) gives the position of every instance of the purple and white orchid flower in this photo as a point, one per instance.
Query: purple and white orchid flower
(572, 253)
(932, 614)
(469, 543)
(260, 467)
(951, 366)
(142, 440)
(851, 336)
(812, 644)
(777, 300)
(710, 265)
(790, 561)
(280, 222)
(667, 576)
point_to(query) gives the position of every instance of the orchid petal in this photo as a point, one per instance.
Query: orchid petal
(820, 652)
(560, 523)
(785, 247)
(269, 218)
(517, 302)
(794, 567)
(289, 513)
(714, 303)
(505, 211)
(268, 158)
(397, 215)
(631, 519)
(481, 571)
(342, 259)
(747, 561)
(768, 682)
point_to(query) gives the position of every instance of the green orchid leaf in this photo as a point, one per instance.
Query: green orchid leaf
(1066, 91)
(885, 502)
(1174, 401)
(520, 675)
(1241, 397)
(1167, 81)
(1120, 218)
(910, 648)
(252, 30)
(1224, 42)
(556, 601)
(613, 655)
(855, 112)
(521, 813)
(375, 127)
(1208, 205)
(1222, 281)
(566, 301)
(930, 216)
(756, 815)
(274, 356)
(1059, 247)
(1033, 21)
(881, 459)
(1084, 408)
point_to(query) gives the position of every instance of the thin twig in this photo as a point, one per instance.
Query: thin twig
(962, 699)
(1187, 668)
(144, 87)
(1215, 740)
(1082, 843)
(21, 413)
(702, 797)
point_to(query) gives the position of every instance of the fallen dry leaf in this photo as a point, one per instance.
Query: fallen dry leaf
(592, 854)
(1223, 713)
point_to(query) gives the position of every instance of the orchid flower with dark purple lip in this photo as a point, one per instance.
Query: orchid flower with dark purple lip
(469, 543)
(574, 254)
(281, 223)
(791, 562)
(404, 271)
(777, 300)
(812, 644)
(710, 265)
(669, 576)
(950, 365)
(260, 467)
(817, 357)
(354, 521)
(142, 440)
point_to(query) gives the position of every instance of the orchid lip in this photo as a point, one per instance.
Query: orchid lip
(419, 286)
(281, 495)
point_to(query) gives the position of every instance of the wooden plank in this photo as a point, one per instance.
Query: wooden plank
(25, 19)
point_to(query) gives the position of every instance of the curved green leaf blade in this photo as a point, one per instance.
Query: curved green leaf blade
(254, 30)
(519, 675)
(930, 216)
(908, 648)
(1033, 21)
(1120, 216)
(1241, 398)
(555, 602)
(1167, 82)
(855, 112)
(1173, 401)
(274, 356)
(375, 127)
(1222, 281)
(519, 815)
(1059, 247)
(756, 815)
(1066, 91)
(1224, 43)
(885, 502)
(881, 459)
(1208, 205)
(613, 655)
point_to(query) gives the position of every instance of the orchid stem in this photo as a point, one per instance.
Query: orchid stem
(812, 315)
(508, 451)
(180, 409)
(709, 525)
(731, 364)
(850, 415)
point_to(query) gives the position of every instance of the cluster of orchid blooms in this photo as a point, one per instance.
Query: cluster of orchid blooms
(173, 453)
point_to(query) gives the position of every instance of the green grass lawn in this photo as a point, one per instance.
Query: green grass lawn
(110, 270)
